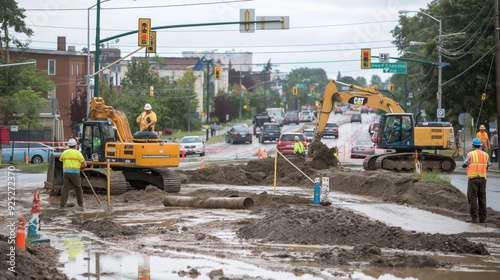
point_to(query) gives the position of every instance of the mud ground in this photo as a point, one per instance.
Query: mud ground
(341, 237)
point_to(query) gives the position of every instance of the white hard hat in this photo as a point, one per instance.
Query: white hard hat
(147, 106)
(72, 142)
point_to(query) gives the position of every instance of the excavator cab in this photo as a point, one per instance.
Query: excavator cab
(95, 136)
(396, 132)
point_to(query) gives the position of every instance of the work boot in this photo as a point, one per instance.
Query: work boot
(68, 205)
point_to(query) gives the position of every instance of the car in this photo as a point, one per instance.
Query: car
(190, 145)
(373, 127)
(309, 133)
(270, 132)
(338, 110)
(331, 129)
(239, 134)
(306, 116)
(286, 142)
(362, 149)
(356, 118)
(364, 110)
(278, 120)
(291, 117)
(38, 152)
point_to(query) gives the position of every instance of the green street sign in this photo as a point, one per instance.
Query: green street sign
(396, 67)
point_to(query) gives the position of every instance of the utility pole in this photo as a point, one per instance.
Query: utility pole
(241, 92)
(497, 66)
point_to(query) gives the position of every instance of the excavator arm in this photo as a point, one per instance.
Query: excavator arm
(99, 110)
(363, 96)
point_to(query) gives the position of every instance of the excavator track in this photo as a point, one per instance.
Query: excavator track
(405, 162)
(97, 177)
(171, 180)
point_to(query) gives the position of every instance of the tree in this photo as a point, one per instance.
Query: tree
(470, 55)
(27, 103)
(12, 18)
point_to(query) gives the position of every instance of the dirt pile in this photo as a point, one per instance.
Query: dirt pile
(39, 261)
(106, 228)
(401, 188)
(336, 226)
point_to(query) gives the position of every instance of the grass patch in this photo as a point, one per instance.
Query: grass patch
(29, 168)
(433, 176)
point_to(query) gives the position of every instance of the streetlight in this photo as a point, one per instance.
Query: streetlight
(88, 52)
(439, 64)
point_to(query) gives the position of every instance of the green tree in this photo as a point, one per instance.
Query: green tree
(467, 44)
(12, 18)
(27, 103)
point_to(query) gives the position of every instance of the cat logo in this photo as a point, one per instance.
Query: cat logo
(359, 100)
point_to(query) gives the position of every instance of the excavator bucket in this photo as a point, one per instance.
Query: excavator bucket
(54, 179)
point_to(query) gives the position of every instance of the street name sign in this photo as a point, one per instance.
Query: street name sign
(395, 67)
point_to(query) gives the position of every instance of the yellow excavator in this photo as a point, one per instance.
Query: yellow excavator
(398, 131)
(136, 161)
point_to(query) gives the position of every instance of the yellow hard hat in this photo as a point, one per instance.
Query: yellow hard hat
(482, 127)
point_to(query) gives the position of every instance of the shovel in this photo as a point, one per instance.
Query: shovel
(92, 188)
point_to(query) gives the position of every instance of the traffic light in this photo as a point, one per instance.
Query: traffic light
(391, 87)
(295, 90)
(151, 90)
(311, 91)
(217, 72)
(152, 47)
(366, 59)
(144, 38)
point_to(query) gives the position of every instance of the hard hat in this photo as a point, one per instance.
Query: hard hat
(482, 127)
(72, 142)
(296, 138)
(476, 142)
(147, 106)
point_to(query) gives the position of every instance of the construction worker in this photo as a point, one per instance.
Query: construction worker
(477, 163)
(147, 119)
(72, 161)
(298, 147)
(482, 135)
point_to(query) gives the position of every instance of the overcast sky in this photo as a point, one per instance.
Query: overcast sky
(326, 34)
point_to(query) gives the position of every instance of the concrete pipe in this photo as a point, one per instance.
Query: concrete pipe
(182, 201)
(211, 202)
(228, 202)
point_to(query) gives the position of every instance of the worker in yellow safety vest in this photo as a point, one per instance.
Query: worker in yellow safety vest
(477, 163)
(147, 119)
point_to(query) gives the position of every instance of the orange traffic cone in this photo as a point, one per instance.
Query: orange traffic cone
(264, 154)
(202, 164)
(258, 153)
(21, 234)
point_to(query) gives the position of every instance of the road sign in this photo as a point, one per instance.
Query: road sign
(383, 57)
(396, 67)
(14, 128)
(247, 15)
(281, 22)
(440, 113)
(464, 118)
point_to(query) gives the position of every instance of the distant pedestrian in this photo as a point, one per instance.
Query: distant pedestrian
(213, 128)
(457, 140)
(494, 146)
(477, 163)
(72, 161)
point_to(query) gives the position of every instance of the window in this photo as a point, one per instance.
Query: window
(77, 70)
(52, 67)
